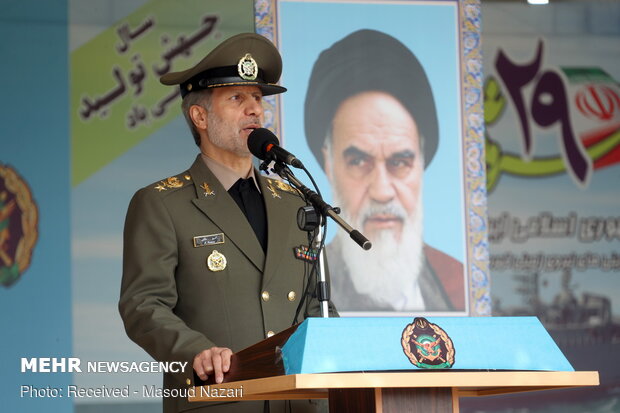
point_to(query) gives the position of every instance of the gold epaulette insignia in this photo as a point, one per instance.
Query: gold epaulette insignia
(172, 182)
(272, 189)
(282, 186)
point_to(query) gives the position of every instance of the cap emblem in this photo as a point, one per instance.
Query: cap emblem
(247, 67)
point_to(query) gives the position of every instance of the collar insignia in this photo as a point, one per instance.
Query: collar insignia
(208, 191)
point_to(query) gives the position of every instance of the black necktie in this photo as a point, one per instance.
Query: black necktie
(250, 201)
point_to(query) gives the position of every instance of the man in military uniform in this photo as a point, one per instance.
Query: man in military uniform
(209, 263)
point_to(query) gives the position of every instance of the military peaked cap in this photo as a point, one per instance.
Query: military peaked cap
(246, 59)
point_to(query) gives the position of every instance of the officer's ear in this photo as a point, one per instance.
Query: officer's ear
(198, 114)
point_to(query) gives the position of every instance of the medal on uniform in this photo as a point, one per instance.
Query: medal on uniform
(306, 253)
(216, 261)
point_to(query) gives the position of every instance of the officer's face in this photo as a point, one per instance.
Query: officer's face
(375, 165)
(234, 113)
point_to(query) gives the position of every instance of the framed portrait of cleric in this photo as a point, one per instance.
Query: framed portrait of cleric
(383, 108)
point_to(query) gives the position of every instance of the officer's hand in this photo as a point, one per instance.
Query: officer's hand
(214, 360)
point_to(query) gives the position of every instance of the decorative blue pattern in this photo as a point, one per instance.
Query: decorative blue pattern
(264, 12)
(476, 198)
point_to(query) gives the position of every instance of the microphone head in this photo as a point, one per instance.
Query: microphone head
(258, 140)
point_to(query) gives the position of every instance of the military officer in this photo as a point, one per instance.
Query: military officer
(209, 263)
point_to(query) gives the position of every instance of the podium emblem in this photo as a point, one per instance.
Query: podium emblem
(427, 346)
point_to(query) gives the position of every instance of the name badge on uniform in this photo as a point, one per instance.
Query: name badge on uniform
(204, 240)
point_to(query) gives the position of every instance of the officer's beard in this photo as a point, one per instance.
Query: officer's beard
(226, 135)
(389, 271)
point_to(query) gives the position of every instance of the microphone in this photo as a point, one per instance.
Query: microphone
(263, 144)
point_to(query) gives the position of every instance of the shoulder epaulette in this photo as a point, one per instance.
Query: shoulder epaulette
(173, 182)
(281, 186)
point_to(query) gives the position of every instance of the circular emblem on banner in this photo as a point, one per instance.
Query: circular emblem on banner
(427, 346)
(247, 67)
(18, 226)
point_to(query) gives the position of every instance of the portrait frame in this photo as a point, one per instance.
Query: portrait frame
(272, 19)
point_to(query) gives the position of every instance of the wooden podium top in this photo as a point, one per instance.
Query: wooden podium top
(465, 383)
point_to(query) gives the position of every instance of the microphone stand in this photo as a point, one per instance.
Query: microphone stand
(323, 288)
(325, 210)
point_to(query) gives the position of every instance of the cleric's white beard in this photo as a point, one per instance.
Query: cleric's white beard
(389, 271)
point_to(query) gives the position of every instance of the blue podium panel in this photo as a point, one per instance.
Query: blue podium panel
(322, 345)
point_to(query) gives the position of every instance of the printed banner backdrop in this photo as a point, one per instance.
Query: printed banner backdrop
(35, 290)
(552, 110)
(420, 27)
(108, 129)
(116, 99)
(127, 132)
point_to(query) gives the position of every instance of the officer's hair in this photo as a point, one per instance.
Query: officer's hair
(202, 98)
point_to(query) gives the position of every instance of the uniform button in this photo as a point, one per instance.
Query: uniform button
(291, 296)
(270, 333)
(265, 295)
(188, 381)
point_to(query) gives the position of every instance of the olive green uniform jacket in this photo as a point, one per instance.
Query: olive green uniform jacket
(174, 306)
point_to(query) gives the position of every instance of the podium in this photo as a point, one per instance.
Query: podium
(315, 361)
